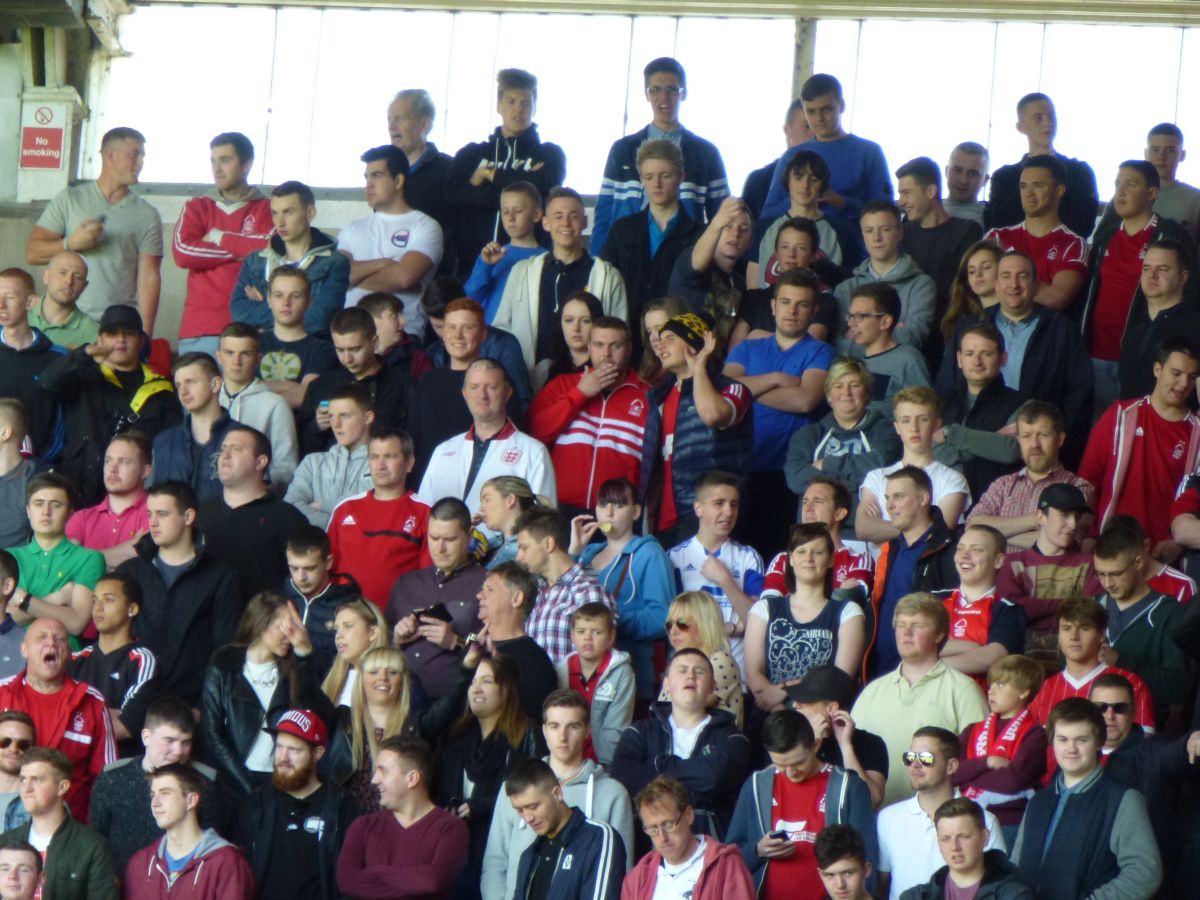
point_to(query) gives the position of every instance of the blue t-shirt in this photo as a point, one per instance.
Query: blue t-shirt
(773, 427)
(903, 567)
(292, 360)
(175, 866)
(486, 284)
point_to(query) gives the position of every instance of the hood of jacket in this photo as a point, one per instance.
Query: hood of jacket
(256, 388)
(254, 194)
(661, 712)
(41, 343)
(871, 418)
(210, 842)
(905, 269)
(147, 550)
(996, 867)
(322, 244)
(635, 543)
(528, 143)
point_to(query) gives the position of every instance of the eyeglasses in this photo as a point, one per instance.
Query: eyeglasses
(1119, 572)
(1121, 709)
(681, 624)
(859, 317)
(22, 744)
(924, 757)
(665, 828)
(657, 90)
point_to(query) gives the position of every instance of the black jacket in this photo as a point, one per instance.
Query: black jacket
(98, 404)
(20, 373)
(1151, 764)
(425, 191)
(231, 716)
(185, 623)
(992, 410)
(1079, 208)
(317, 614)
(1135, 368)
(255, 827)
(389, 389)
(1000, 882)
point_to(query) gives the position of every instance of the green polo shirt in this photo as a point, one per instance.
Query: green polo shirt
(75, 332)
(45, 571)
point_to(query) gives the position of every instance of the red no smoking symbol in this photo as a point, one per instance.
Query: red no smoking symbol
(44, 115)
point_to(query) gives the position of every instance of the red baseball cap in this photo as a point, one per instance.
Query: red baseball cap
(304, 724)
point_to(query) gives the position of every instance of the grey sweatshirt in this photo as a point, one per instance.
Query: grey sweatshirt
(257, 406)
(326, 479)
(612, 703)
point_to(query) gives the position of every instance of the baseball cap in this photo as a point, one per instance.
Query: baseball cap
(823, 684)
(1064, 498)
(304, 724)
(120, 318)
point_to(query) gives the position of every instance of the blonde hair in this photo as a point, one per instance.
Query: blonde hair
(848, 365)
(370, 616)
(1019, 671)
(706, 617)
(361, 724)
(917, 395)
(920, 603)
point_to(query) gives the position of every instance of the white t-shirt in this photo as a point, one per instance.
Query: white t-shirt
(382, 235)
(743, 562)
(945, 480)
(683, 740)
(850, 610)
(262, 678)
(678, 882)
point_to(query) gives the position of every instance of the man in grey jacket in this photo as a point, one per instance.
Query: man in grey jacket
(325, 479)
(585, 785)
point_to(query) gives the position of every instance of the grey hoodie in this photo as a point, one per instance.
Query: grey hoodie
(259, 407)
(612, 702)
(918, 297)
(596, 794)
(326, 479)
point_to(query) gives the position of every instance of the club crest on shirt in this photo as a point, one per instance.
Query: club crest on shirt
(77, 723)
(247, 225)
(511, 456)
(1052, 253)
(410, 524)
(1177, 453)
(960, 628)
(400, 238)
(636, 407)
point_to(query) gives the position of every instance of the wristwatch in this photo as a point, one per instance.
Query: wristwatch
(23, 606)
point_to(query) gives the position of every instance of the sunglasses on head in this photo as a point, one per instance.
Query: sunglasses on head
(22, 744)
(681, 624)
(924, 757)
(1121, 709)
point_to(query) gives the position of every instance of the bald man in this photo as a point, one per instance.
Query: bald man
(55, 314)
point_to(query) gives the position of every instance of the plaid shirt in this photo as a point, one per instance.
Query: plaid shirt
(550, 622)
(1015, 495)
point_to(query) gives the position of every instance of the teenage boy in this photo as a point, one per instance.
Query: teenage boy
(1082, 633)
(1086, 834)
(1165, 272)
(396, 248)
(644, 245)
(1003, 758)
(380, 534)
(214, 233)
(104, 389)
(1140, 450)
(55, 315)
(917, 414)
(781, 809)
(189, 451)
(114, 665)
(1059, 252)
(316, 589)
(707, 422)
(78, 864)
(984, 626)
(908, 838)
(325, 479)
(882, 231)
(393, 344)
(190, 602)
(934, 239)
(858, 170)
(600, 674)
(711, 561)
(15, 472)
(115, 524)
(298, 245)
(797, 245)
(1038, 121)
(480, 172)
(211, 867)
(1176, 200)
(520, 213)
(807, 177)
(120, 808)
(971, 869)
(20, 870)
(711, 278)
(1139, 620)
(796, 131)
(290, 357)
(24, 353)
(842, 863)
(585, 785)
(250, 402)
(693, 866)
(871, 322)
(966, 174)
(623, 193)
(538, 287)
(57, 574)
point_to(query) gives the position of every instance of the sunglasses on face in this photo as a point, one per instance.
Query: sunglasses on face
(681, 624)
(924, 757)
(1121, 709)
(22, 744)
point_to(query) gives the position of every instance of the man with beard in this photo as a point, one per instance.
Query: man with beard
(16, 736)
(292, 829)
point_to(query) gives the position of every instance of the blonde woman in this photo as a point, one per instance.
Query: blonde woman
(694, 620)
(358, 626)
(501, 501)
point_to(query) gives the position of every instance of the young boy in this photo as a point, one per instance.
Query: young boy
(114, 665)
(842, 863)
(983, 625)
(709, 561)
(602, 675)
(393, 344)
(538, 286)
(323, 480)
(872, 320)
(15, 472)
(882, 232)
(250, 402)
(1003, 757)
(316, 590)
(917, 412)
(805, 180)
(290, 356)
(520, 211)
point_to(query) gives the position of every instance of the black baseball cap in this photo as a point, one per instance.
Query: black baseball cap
(1064, 498)
(120, 317)
(824, 684)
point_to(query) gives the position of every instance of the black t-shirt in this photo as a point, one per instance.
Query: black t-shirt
(538, 677)
(869, 748)
(547, 850)
(293, 870)
(559, 281)
(292, 360)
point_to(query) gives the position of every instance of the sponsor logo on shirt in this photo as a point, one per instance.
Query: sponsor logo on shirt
(400, 238)
(349, 520)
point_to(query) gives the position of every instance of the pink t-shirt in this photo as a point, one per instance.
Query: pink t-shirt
(99, 528)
